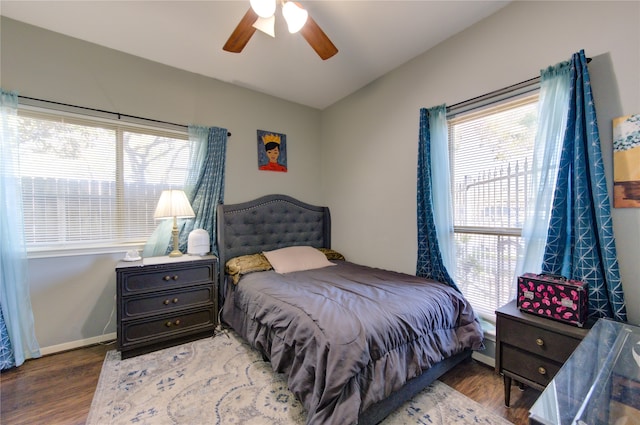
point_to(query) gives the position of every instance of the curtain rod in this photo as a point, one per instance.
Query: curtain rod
(119, 115)
(509, 91)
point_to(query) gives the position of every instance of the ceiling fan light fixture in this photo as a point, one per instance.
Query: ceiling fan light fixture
(295, 16)
(263, 8)
(297, 20)
(266, 25)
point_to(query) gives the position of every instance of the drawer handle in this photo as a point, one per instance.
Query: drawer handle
(166, 302)
(169, 324)
(540, 342)
(168, 278)
(542, 371)
(175, 300)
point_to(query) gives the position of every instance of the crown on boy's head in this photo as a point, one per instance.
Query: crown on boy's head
(268, 138)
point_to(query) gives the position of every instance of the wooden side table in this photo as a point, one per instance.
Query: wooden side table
(531, 349)
(165, 301)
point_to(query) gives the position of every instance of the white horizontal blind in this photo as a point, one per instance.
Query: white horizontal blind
(491, 151)
(92, 182)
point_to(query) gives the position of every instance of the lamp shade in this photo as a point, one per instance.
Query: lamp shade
(295, 16)
(263, 8)
(173, 203)
(266, 25)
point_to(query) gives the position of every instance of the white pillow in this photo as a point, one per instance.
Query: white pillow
(296, 258)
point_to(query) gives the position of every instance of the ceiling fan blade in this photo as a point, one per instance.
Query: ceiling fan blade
(318, 39)
(243, 32)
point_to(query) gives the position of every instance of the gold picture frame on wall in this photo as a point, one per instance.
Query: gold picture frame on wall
(626, 161)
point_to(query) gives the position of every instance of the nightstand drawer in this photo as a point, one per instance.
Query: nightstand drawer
(167, 302)
(169, 278)
(534, 368)
(531, 349)
(538, 341)
(147, 330)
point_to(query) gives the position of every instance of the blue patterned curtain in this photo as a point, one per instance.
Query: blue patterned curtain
(205, 183)
(436, 249)
(204, 187)
(17, 333)
(580, 241)
(7, 360)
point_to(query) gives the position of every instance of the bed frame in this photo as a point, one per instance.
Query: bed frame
(278, 221)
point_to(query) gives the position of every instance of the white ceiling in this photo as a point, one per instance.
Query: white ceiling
(373, 37)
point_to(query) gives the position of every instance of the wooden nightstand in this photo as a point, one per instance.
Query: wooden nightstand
(531, 349)
(164, 301)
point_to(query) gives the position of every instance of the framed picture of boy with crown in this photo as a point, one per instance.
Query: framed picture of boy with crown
(272, 151)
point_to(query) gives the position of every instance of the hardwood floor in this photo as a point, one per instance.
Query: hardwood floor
(54, 389)
(58, 389)
(480, 383)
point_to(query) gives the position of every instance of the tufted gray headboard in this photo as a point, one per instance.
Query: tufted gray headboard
(270, 222)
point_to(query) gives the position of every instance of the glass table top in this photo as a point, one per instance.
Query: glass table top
(600, 382)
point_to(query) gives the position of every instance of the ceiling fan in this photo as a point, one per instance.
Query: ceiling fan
(261, 15)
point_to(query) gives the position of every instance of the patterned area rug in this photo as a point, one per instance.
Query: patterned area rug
(222, 380)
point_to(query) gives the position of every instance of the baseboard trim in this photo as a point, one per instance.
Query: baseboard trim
(490, 361)
(52, 349)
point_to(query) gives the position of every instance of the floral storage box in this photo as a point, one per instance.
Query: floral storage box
(554, 297)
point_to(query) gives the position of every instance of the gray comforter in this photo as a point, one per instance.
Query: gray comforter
(347, 336)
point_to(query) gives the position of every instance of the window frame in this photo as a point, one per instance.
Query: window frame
(119, 124)
(513, 94)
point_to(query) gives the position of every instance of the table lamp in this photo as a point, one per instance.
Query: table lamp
(174, 204)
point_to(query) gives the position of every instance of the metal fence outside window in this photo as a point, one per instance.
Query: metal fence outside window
(489, 210)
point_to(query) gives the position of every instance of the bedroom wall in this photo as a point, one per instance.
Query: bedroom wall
(370, 139)
(73, 297)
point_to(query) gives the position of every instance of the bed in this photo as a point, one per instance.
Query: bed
(355, 342)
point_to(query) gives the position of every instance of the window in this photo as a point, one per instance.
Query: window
(491, 149)
(91, 182)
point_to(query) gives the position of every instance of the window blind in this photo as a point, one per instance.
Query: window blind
(94, 182)
(491, 149)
